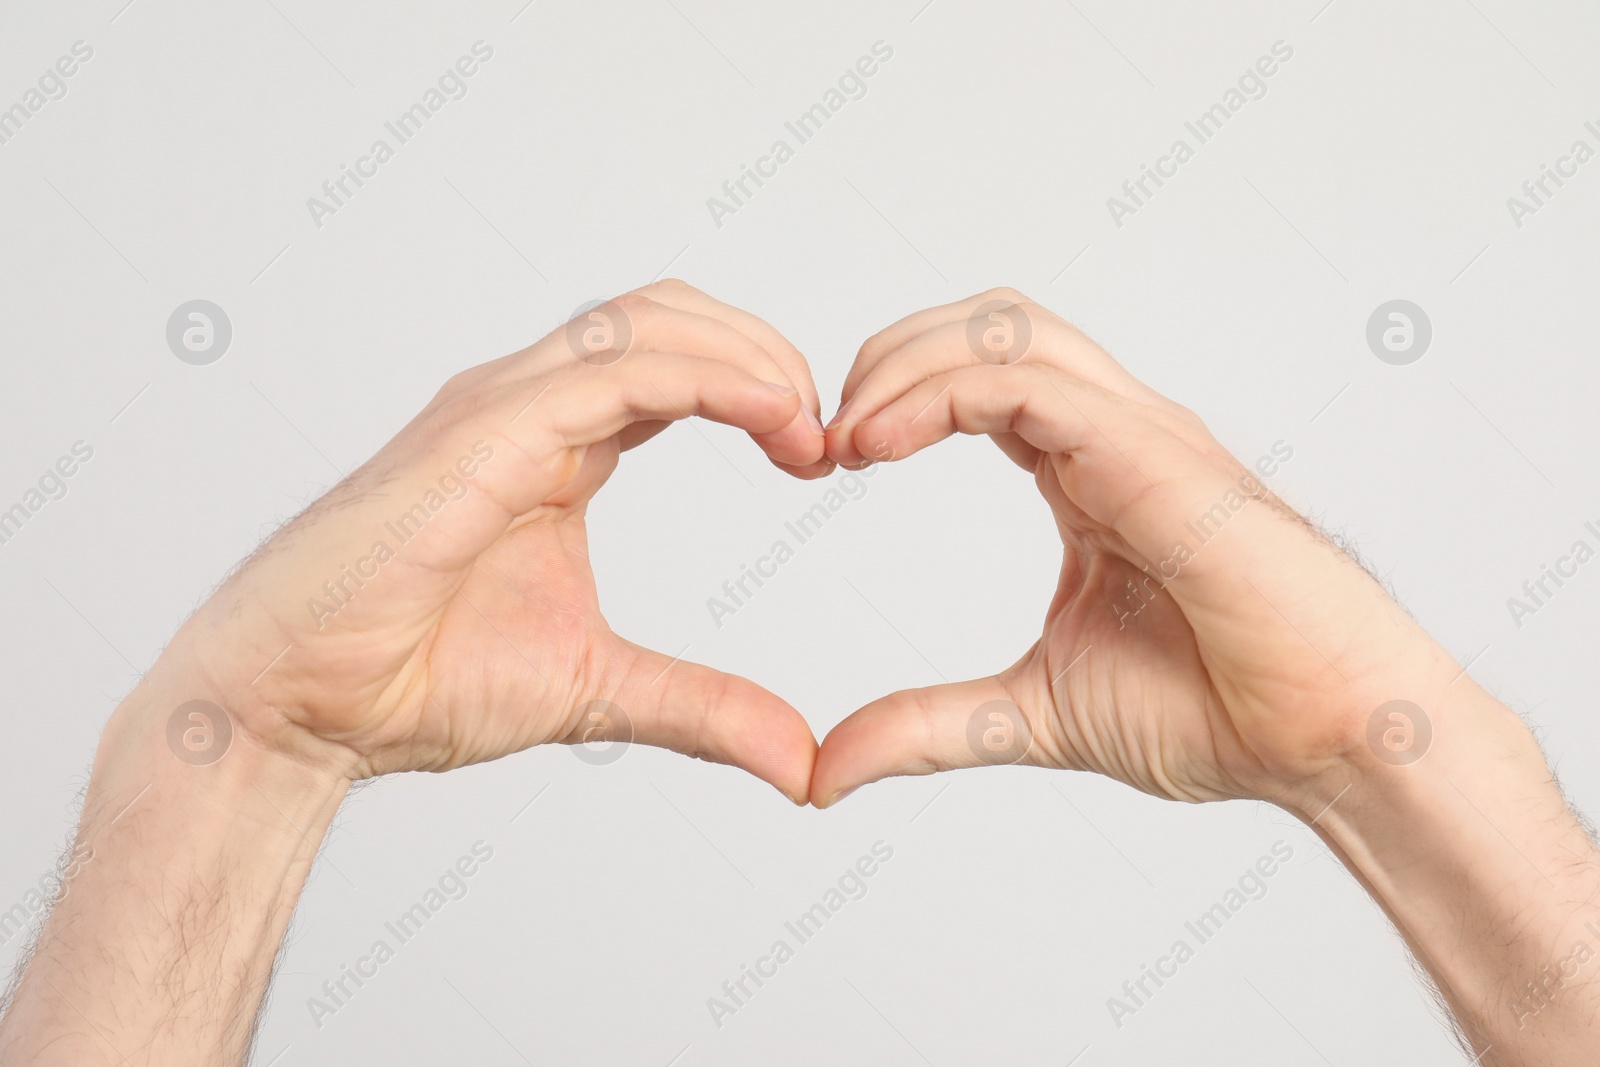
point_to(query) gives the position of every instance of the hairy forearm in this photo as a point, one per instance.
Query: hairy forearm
(160, 946)
(1491, 879)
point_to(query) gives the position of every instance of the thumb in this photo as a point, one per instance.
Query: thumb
(707, 714)
(920, 731)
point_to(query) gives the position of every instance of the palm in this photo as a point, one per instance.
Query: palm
(1126, 684)
(515, 649)
(1121, 691)
(520, 655)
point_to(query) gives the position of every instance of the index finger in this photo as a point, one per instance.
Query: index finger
(682, 296)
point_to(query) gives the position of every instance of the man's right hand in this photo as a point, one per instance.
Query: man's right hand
(437, 608)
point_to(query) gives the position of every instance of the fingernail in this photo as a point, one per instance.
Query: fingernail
(838, 416)
(816, 423)
(842, 794)
(781, 390)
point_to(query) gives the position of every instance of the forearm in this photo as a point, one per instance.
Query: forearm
(1494, 884)
(161, 944)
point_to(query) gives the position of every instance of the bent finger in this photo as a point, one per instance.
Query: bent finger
(676, 293)
(892, 337)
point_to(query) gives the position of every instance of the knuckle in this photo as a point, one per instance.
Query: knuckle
(457, 385)
(458, 382)
(635, 305)
(1008, 294)
(1033, 310)
(670, 285)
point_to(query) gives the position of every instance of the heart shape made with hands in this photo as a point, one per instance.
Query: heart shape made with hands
(1121, 468)
(996, 332)
(486, 637)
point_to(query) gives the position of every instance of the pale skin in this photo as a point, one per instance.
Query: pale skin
(1251, 670)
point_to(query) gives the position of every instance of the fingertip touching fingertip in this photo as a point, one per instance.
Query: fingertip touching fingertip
(835, 797)
(838, 416)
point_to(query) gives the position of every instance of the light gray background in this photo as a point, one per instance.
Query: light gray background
(1017, 901)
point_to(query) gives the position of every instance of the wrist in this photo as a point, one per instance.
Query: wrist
(1467, 843)
(193, 846)
(1396, 688)
(238, 672)
(202, 744)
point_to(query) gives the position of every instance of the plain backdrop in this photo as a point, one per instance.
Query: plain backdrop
(1377, 166)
